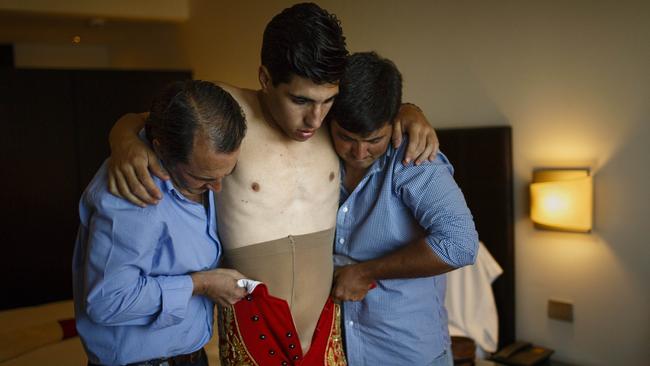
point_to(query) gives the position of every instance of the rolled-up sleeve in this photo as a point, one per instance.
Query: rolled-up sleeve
(437, 203)
(120, 290)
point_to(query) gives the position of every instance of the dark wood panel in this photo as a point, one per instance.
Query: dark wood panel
(482, 158)
(39, 186)
(55, 128)
(102, 97)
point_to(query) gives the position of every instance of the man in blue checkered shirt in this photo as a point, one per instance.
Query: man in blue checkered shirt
(399, 228)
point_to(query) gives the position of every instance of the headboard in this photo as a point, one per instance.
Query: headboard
(55, 125)
(482, 159)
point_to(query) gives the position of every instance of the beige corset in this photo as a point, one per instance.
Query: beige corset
(297, 269)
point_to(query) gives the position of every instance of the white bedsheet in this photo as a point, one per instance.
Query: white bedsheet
(470, 301)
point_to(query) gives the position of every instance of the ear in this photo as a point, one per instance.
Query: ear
(265, 78)
(156, 146)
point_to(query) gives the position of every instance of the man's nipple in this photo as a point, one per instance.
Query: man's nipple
(255, 187)
(332, 176)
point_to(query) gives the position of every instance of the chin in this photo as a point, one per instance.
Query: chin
(359, 164)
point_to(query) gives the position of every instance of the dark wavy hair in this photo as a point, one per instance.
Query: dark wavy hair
(184, 108)
(307, 41)
(370, 94)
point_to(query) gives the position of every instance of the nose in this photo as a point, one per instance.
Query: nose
(360, 151)
(315, 116)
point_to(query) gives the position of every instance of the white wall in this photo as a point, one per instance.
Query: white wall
(571, 77)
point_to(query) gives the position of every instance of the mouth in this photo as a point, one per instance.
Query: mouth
(305, 134)
(360, 161)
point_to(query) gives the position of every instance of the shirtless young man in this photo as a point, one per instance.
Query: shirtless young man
(277, 210)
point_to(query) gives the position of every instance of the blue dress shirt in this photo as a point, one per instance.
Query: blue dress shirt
(131, 266)
(402, 321)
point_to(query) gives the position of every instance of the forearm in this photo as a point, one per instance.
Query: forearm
(126, 128)
(411, 261)
(152, 299)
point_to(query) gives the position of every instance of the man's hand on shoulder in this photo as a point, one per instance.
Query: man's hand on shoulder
(130, 161)
(423, 141)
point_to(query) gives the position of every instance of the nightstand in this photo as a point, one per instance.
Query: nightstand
(548, 362)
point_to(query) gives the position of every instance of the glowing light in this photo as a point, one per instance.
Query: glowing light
(562, 200)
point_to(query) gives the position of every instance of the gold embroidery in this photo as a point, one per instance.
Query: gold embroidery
(334, 355)
(232, 350)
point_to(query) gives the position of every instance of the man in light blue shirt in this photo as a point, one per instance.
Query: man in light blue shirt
(401, 228)
(145, 278)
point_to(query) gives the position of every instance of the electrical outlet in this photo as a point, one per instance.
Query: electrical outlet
(560, 310)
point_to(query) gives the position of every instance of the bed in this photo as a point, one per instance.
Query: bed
(482, 158)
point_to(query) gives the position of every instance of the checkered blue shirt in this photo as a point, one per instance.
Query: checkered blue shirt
(402, 321)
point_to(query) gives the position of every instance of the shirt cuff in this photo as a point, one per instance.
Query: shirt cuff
(176, 292)
(452, 255)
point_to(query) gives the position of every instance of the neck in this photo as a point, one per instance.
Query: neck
(198, 198)
(353, 176)
(266, 112)
(194, 197)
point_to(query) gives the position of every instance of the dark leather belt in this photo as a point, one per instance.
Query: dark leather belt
(189, 358)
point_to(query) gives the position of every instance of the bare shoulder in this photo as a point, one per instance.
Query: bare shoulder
(247, 98)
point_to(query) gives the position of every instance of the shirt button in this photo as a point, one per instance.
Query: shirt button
(341, 241)
(345, 208)
(350, 323)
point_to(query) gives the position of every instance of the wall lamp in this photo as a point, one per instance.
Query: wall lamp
(562, 199)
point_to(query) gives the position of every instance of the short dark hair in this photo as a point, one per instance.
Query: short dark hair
(307, 41)
(184, 108)
(370, 94)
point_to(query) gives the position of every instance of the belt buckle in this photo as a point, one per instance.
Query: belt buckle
(194, 357)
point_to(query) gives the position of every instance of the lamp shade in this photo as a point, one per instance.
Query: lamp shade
(562, 199)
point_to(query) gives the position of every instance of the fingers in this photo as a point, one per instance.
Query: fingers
(144, 187)
(237, 295)
(436, 149)
(112, 184)
(233, 296)
(124, 190)
(436, 144)
(341, 294)
(231, 272)
(348, 286)
(416, 145)
(156, 168)
(428, 151)
(397, 134)
(124, 182)
(424, 148)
